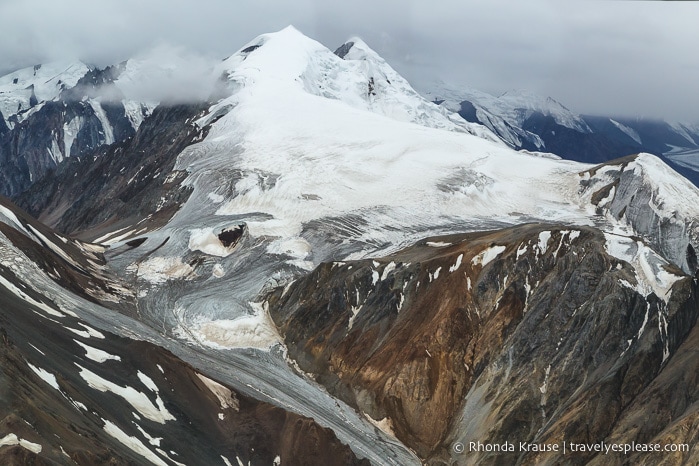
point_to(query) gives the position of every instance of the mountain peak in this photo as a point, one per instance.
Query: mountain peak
(356, 49)
(289, 30)
(288, 62)
(522, 99)
(288, 36)
(281, 56)
(528, 99)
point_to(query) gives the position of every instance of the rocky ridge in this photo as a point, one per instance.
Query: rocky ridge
(514, 334)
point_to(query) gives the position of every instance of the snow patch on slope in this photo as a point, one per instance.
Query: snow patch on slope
(653, 273)
(137, 399)
(486, 256)
(133, 443)
(95, 354)
(12, 439)
(630, 132)
(46, 376)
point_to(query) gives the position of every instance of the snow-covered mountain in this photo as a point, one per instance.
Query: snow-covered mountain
(507, 114)
(514, 106)
(24, 92)
(322, 238)
(54, 111)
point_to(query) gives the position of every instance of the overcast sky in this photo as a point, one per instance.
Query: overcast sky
(600, 57)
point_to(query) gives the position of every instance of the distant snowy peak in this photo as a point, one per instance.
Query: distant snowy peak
(514, 106)
(524, 102)
(526, 121)
(288, 61)
(47, 79)
(28, 87)
(54, 111)
(475, 105)
(23, 92)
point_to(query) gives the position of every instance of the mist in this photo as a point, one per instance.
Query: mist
(168, 74)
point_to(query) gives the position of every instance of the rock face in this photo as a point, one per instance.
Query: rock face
(639, 189)
(121, 184)
(72, 264)
(535, 333)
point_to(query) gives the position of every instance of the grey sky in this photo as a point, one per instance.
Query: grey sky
(604, 57)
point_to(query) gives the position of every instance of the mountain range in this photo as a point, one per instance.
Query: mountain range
(318, 265)
(530, 122)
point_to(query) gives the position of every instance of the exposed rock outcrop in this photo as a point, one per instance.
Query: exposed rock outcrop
(648, 194)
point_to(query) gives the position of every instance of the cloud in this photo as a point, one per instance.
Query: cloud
(167, 73)
(630, 58)
(110, 31)
(625, 58)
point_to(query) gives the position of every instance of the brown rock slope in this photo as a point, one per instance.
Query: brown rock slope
(534, 334)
